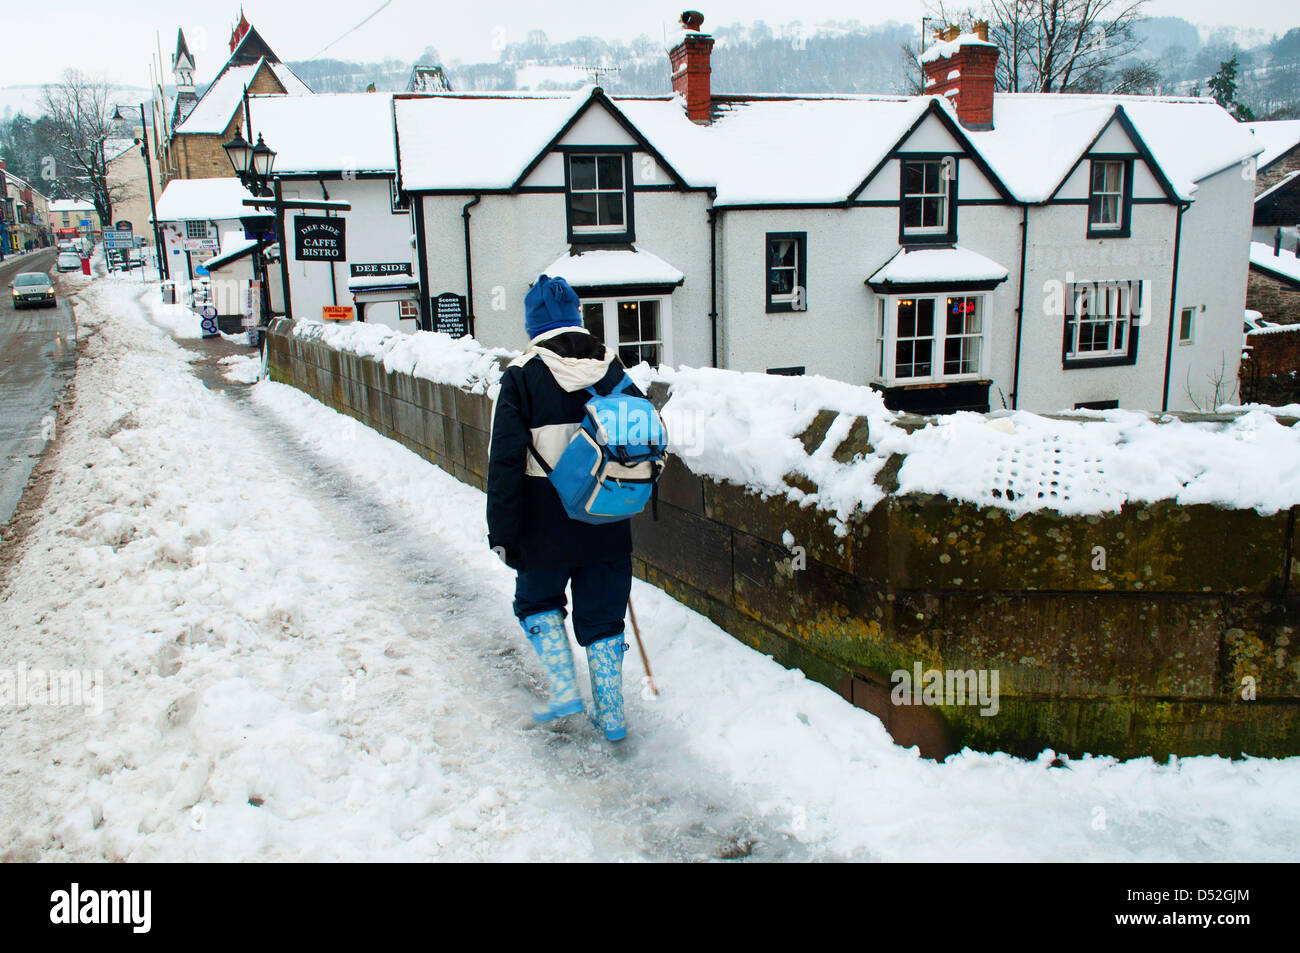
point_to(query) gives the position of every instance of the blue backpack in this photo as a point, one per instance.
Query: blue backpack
(610, 469)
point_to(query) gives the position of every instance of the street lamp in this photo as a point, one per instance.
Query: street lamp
(253, 165)
(161, 263)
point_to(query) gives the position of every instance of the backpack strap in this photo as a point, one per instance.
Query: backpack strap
(538, 457)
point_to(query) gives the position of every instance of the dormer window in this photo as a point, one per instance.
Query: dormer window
(928, 201)
(599, 200)
(1110, 198)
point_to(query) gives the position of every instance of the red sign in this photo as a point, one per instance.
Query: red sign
(338, 312)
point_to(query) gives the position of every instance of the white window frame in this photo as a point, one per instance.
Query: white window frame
(1119, 305)
(1190, 315)
(610, 340)
(1118, 195)
(598, 191)
(943, 193)
(887, 339)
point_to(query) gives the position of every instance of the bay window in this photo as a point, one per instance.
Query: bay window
(932, 338)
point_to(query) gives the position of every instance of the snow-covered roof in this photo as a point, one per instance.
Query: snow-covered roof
(72, 205)
(949, 265)
(1277, 138)
(234, 246)
(1038, 138)
(364, 282)
(459, 142)
(327, 132)
(116, 148)
(1285, 265)
(213, 112)
(203, 199)
(599, 267)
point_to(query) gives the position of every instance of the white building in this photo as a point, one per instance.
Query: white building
(963, 250)
(339, 147)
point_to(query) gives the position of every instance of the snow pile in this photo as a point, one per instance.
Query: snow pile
(432, 355)
(956, 264)
(946, 49)
(604, 266)
(241, 368)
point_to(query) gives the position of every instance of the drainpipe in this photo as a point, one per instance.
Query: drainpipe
(469, 271)
(1020, 309)
(1173, 306)
(713, 282)
(422, 261)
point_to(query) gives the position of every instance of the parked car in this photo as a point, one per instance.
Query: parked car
(68, 261)
(32, 289)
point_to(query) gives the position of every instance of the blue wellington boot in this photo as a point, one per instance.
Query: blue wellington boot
(546, 631)
(605, 659)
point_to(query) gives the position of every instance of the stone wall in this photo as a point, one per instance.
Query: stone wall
(1135, 633)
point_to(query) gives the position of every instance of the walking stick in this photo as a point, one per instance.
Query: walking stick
(636, 630)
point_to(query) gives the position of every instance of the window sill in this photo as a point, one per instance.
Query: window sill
(1084, 363)
(931, 383)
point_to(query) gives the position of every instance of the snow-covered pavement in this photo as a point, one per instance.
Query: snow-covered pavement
(307, 652)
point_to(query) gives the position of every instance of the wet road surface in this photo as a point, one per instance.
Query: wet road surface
(37, 357)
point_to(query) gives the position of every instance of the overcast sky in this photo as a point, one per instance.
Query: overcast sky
(117, 39)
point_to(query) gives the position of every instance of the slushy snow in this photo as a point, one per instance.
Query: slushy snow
(308, 653)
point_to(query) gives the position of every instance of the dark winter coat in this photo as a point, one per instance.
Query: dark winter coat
(542, 398)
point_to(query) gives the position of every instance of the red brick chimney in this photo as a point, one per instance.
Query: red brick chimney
(964, 68)
(690, 60)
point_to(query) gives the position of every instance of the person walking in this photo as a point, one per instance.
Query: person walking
(538, 410)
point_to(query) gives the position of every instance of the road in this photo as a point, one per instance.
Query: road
(37, 356)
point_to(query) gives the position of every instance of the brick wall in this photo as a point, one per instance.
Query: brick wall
(200, 155)
(1277, 300)
(1145, 653)
(1278, 171)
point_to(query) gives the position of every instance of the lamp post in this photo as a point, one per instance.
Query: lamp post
(254, 165)
(163, 271)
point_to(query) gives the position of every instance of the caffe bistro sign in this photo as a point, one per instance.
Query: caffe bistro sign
(319, 239)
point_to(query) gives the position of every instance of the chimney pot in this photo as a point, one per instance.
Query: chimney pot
(964, 72)
(691, 67)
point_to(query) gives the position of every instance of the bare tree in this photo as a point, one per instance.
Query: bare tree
(1058, 46)
(81, 112)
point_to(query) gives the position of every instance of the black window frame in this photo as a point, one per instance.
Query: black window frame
(949, 237)
(1125, 229)
(800, 272)
(1129, 358)
(600, 238)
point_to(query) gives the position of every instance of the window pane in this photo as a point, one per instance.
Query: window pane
(583, 205)
(781, 252)
(925, 318)
(935, 210)
(611, 208)
(593, 319)
(582, 172)
(932, 177)
(610, 169)
(913, 178)
(907, 319)
(912, 213)
(781, 281)
(649, 320)
(922, 366)
(628, 325)
(903, 352)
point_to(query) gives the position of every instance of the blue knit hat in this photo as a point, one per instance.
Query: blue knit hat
(550, 304)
